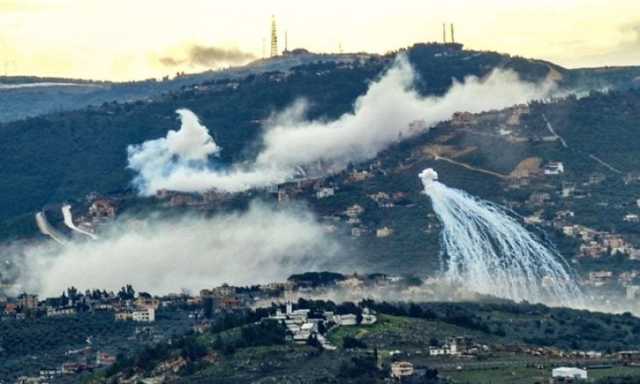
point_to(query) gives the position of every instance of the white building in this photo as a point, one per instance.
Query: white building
(143, 314)
(304, 332)
(401, 369)
(325, 192)
(67, 311)
(448, 349)
(384, 232)
(554, 168)
(368, 318)
(348, 319)
(569, 230)
(354, 211)
(357, 232)
(569, 373)
(146, 315)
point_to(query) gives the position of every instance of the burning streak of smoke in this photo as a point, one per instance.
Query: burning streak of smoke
(489, 252)
(68, 221)
(48, 230)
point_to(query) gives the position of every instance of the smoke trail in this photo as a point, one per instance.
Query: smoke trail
(166, 255)
(48, 230)
(489, 252)
(68, 221)
(389, 111)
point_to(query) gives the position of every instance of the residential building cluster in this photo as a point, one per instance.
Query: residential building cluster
(302, 325)
(78, 361)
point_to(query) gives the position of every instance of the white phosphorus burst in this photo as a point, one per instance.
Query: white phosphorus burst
(487, 251)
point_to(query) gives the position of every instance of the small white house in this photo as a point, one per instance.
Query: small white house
(569, 373)
(348, 319)
(324, 193)
(554, 168)
(402, 369)
(368, 318)
(146, 315)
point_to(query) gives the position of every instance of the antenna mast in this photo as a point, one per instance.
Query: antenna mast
(444, 33)
(286, 41)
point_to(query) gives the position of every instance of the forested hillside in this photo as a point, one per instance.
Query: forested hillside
(29, 96)
(51, 158)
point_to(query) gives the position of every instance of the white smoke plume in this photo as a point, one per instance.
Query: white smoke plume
(389, 111)
(186, 149)
(161, 255)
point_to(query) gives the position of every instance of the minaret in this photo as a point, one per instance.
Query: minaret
(274, 37)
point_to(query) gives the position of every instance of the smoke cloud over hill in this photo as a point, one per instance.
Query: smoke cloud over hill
(162, 255)
(199, 55)
(389, 111)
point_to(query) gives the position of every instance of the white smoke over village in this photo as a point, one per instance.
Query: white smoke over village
(262, 244)
(388, 112)
(161, 256)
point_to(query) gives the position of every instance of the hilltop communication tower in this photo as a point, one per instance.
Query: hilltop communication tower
(274, 37)
(444, 33)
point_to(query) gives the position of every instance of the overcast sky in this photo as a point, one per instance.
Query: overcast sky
(126, 39)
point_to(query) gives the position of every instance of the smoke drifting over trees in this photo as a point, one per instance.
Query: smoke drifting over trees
(199, 55)
(389, 111)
